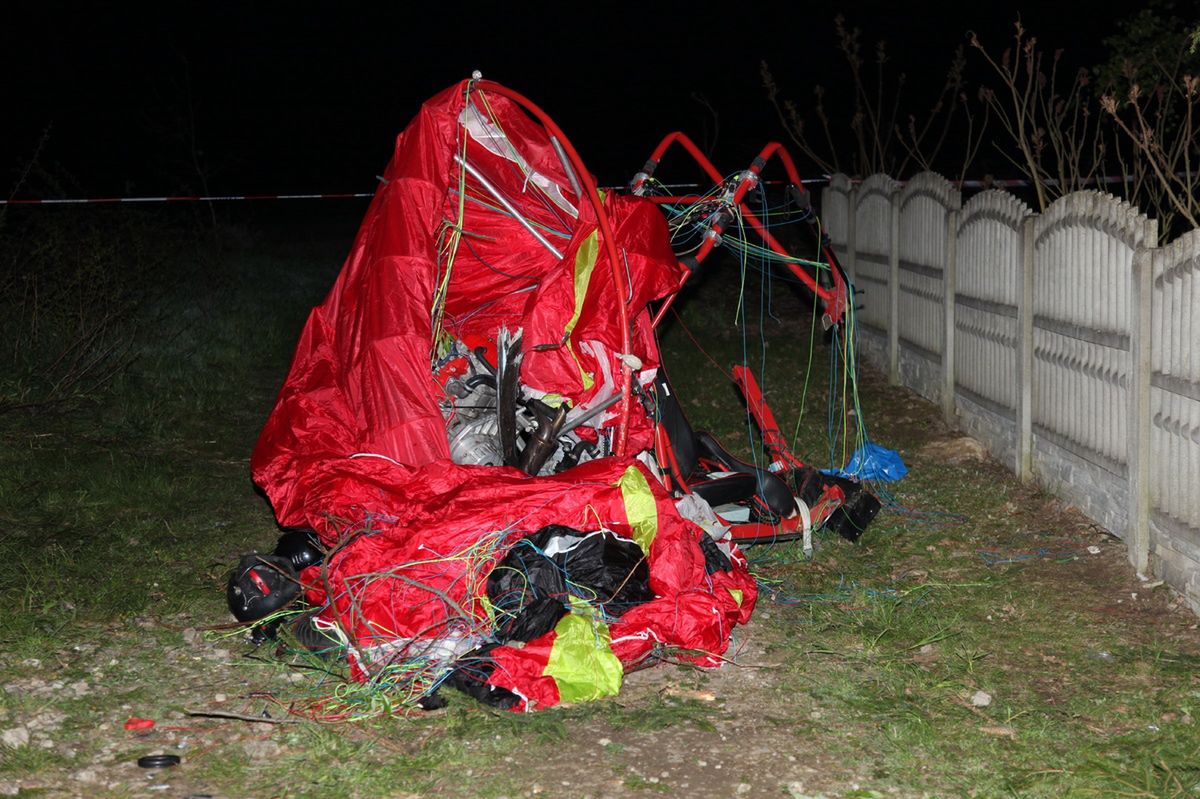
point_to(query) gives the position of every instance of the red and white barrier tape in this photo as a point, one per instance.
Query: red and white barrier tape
(186, 199)
(997, 183)
(250, 197)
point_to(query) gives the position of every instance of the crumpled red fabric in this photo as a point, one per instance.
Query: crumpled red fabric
(357, 441)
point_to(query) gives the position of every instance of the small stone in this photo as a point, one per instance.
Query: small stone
(9, 787)
(743, 788)
(192, 636)
(15, 738)
(86, 775)
(31, 663)
(220, 698)
(262, 750)
(604, 741)
(47, 720)
(981, 699)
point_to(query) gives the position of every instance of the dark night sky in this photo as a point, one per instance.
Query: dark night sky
(306, 97)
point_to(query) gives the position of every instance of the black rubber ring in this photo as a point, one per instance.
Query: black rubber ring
(158, 761)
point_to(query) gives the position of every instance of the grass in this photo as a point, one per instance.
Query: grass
(120, 521)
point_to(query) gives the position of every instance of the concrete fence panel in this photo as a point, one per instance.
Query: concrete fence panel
(1174, 461)
(990, 267)
(872, 209)
(1083, 360)
(925, 206)
(835, 216)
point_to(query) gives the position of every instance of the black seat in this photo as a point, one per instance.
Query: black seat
(698, 456)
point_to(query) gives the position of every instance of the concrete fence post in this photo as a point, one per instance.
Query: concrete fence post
(949, 277)
(852, 234)
(1025, 312)
(894, 288)
(1138, 538)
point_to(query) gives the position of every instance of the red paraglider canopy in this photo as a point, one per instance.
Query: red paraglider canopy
(493, 301)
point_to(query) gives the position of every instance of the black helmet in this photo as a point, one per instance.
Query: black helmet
(301, 547)
(261, 585)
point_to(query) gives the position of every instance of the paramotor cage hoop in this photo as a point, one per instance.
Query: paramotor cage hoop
(588, 186)
(834, 298)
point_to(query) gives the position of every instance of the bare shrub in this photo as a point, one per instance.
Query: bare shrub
(883, 135)
(76, 286)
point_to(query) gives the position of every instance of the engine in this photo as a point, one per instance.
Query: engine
(492, 420)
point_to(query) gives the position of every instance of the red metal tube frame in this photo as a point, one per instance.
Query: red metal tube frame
(593, 196)
(835, 300)
(764, 417)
